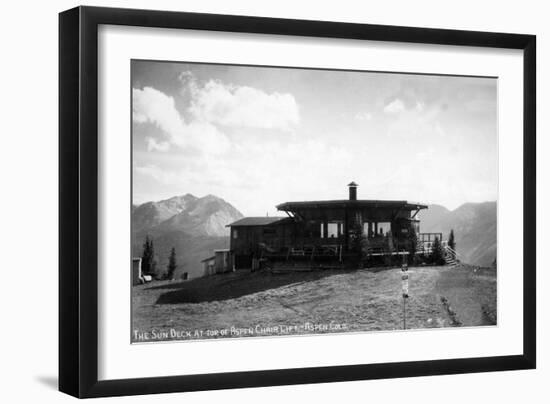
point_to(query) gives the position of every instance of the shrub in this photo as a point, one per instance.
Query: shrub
(437, 256)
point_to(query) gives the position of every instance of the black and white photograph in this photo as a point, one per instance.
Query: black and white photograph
(273, 201)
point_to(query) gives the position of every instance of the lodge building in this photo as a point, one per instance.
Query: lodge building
(323, 231)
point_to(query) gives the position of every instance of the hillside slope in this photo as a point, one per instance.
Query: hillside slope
(474, 225)
(317, 302)
(193, 226)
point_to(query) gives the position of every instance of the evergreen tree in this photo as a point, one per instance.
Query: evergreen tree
(413, 244)
(172, 265)
(148, 262)
(358, 240)
(154, 262)
(451, 243)
(437, 256)
(145, 261)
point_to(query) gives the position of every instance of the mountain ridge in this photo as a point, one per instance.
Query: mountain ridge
(194, 226)
(474, 225)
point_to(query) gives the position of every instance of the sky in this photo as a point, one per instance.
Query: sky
(260, 136)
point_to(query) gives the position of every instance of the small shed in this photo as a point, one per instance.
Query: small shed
(137, 276)
(209, 266)
(223, 260)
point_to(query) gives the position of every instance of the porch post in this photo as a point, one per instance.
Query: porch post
(346, 228)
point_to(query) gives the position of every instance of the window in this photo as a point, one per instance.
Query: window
(332, 231)
(384, 228)
(366, 226)
(235, 234)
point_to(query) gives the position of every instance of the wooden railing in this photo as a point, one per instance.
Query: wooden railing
(374, 247)
(429, 237)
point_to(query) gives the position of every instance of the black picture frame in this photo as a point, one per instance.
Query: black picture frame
(78, 200)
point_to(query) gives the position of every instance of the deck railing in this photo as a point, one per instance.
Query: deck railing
(376, 246)
(429, 237)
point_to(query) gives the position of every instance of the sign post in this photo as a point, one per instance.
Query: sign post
(405, 288)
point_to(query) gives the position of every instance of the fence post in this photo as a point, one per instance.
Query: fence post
(405, 288)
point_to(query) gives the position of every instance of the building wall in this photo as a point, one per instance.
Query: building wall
(248, 238)
(209, 267)
(315, 224)
(223, 261)
(136, 271)
(311, 227)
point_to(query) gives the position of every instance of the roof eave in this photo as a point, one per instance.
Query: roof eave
(313, 204)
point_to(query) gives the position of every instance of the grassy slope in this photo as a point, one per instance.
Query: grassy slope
(362, 300)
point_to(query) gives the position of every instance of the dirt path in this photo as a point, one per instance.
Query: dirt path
(471, 294)
(360, 300)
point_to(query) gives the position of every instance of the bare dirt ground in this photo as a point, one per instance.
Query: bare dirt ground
(260, 304)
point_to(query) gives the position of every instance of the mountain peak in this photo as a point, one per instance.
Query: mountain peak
(207, 215)
(186, 197)
(211, 197)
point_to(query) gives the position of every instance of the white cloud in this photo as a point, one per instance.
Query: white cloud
(214, 142)
(363, 116)
(206, 137)
(153, 145)
(255, 175)
(212, 104)
(189, 82)
(394, 107)
(243, 106)
(153, 106)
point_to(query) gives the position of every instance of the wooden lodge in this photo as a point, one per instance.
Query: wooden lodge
(327, 231)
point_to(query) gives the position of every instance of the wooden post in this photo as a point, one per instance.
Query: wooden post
(404, 313)
(405, 287)
(346, 228)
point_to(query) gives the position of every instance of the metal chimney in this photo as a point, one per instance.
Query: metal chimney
(352, 191)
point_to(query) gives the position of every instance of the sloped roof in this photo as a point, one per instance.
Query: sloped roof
(289, 206)
(256, 221)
